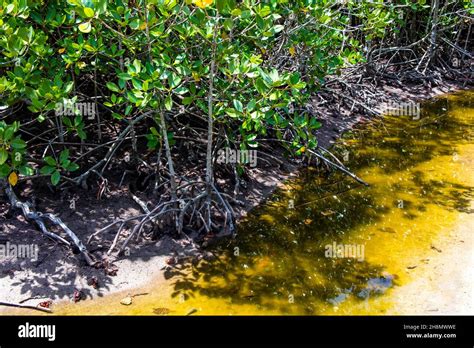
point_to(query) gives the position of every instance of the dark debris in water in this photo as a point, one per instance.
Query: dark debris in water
(376, 286)
(161, 311)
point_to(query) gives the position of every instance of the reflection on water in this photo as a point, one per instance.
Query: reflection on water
(420, 173)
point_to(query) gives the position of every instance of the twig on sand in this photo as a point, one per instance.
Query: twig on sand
(31, 298)
(16, 305)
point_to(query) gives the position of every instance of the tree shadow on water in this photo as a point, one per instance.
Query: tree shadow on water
(280, 263)
(280, 251)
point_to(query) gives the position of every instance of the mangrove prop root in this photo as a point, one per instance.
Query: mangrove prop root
(177, 209)
(39, 218)
(340, 167)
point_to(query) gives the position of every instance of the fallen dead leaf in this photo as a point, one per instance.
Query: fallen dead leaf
(78, 295)
(93, 281)
(171, 261)
(161, 311)
(45, 304)
(327, 212)
(127, 301)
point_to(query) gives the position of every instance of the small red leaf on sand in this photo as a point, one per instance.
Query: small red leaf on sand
(93, 282)
(171, 261)
(45, 304)
(78, 295)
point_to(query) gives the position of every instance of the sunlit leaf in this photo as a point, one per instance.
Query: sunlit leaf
(203, 3)
(85, 27)
(89, 12)
(13, 178)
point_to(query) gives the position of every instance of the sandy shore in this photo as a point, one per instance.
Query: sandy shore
(444, 285)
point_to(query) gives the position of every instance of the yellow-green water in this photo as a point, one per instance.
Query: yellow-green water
(421, 181)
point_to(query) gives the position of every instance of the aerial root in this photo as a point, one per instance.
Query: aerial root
(40, 218)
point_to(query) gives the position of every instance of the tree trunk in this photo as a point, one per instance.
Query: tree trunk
(434, 30)
(164, 132)
(210, 121)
